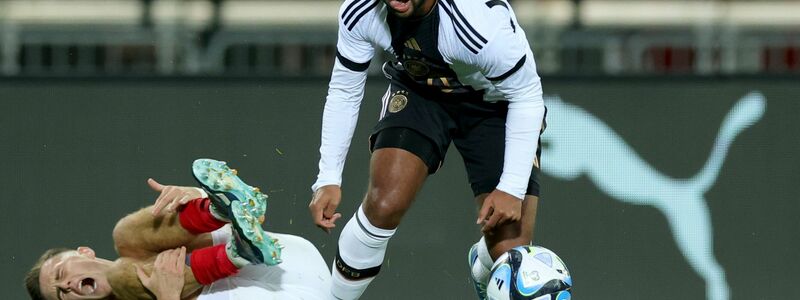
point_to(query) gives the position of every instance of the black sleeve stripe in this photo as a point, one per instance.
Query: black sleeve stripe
(353, 66)
(461, 33)
(364, 12)
(463, 19)
(493, 3)
(350, 6)
(460, 38)
(513, 70)
(353, 13)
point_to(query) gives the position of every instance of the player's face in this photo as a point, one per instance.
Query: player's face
(74, 275)
(410, 8)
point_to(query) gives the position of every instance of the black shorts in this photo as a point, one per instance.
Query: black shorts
(425, 124)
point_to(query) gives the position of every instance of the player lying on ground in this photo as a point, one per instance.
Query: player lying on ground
(237, 260)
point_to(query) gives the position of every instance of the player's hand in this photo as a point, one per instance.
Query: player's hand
(323, 207)
(166, 280)
(172, 197)
(499, 208)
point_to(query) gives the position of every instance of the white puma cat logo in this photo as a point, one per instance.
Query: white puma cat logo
(577, 143)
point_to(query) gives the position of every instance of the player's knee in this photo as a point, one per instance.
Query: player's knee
(122, 235)
(125, 236)
(380, 205)
(383, 212)
(381, 192)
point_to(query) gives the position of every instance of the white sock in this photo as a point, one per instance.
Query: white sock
(362, 247)
(482, 267)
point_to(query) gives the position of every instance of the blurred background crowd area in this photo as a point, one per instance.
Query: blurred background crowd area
(298, 37)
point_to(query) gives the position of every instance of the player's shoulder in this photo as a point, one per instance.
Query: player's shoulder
(355, 12)
(477, 21)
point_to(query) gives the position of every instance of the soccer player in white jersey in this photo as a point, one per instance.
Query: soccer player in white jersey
(462, 72)
(228, 255)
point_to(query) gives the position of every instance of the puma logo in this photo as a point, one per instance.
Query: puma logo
(577, 143)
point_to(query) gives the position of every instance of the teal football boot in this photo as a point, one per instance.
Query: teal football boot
(224, 186)
(243, 205)
(249, 239)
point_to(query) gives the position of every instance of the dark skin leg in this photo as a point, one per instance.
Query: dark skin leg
(507, 236)
(396, 176)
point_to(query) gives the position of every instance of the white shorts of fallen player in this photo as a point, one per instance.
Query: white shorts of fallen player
(303, 274)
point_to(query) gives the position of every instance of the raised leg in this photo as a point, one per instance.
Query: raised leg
(143, 235)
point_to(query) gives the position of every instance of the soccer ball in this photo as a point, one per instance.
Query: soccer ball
(529, 273)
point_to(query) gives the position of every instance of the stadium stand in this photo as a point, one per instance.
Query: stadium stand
(165, 37)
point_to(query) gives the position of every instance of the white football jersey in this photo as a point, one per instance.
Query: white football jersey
(476, 45)
(303, 274)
